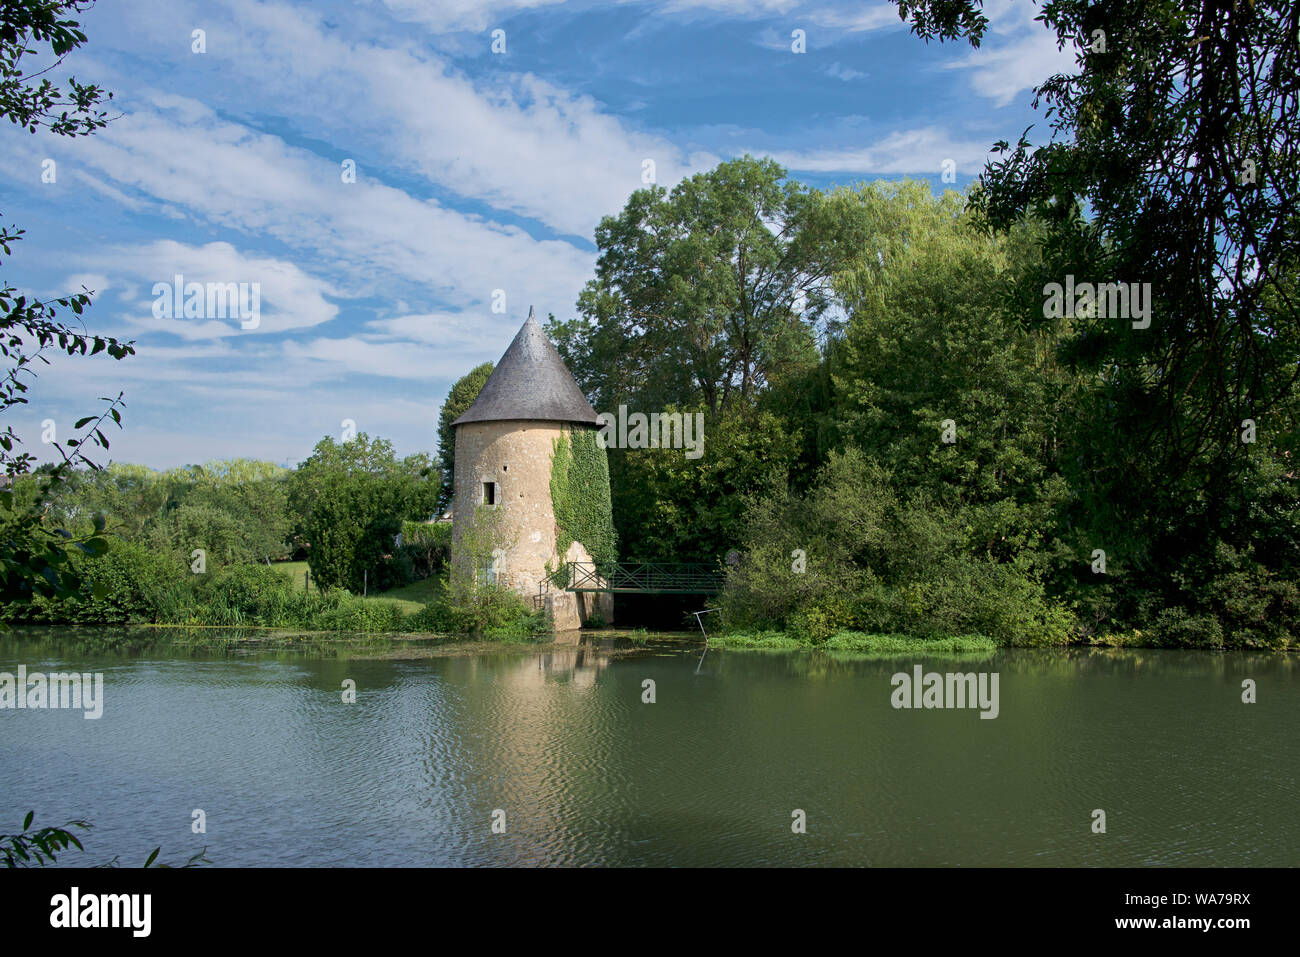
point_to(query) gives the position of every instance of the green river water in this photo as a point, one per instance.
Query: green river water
(558, 747)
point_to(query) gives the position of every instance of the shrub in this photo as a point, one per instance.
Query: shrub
(362, 614)
(875, 563)
(1177, 628)
(248, 595)
(435, 617)
(494, 611)
(134, 583)
(504, 616)
(424, 550)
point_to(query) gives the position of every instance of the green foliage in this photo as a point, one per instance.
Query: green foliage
(239, 513)
(355, 614)
(859, 642)
(247, 595)
(580, 495)
(351, 534)
(1173, 160)
(254, 494)
(42, 846)
(1231, 600)
(127, 582)
(424, 550)
(203, 526)
(236, 511)
(1175, 628)
(459, 399)
(131, 498)
(138, 585)
(492, 613)
(25, 27)
(875, 561)
(668, 507)
(929, 342)
(705, 294)
(35, 555)
(435, 617)
(351, 499)
(430, 534)
(477, 603)
(38, 560)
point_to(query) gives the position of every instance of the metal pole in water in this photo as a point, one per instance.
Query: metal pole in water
(700, 621)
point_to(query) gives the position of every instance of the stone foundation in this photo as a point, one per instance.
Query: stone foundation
(569, 610)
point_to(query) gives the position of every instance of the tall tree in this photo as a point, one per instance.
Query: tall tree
(1174, 159)
(937, 377)
(351, 499)
(706, 294)
(459, 399)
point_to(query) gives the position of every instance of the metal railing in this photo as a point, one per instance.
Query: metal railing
(636, 577)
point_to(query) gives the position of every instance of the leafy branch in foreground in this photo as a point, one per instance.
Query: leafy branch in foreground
(34, 558)
(30, 848)
(41, 847)
(25, 25)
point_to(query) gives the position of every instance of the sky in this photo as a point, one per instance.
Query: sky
(386, 177)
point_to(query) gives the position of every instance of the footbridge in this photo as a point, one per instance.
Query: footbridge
(639, 578)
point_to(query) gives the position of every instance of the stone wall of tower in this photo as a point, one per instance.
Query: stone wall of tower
(516, 457)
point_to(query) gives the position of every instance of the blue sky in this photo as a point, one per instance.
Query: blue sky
(475, 171)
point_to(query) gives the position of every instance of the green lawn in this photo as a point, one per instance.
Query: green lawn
(421, 592)
(296, 572)
(410, 597)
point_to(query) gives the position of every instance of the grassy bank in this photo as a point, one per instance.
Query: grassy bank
(889, 644)
(855, 641)
(188, 641)
(412, 597)
(135, 586)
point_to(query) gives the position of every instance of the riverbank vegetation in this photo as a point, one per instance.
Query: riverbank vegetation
(909, 428)
(855, 641)
(134, 585)
(194, 546)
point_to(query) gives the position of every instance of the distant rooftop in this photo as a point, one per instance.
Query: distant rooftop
(530, 382)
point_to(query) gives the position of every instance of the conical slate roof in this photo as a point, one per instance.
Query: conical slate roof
(530, 382)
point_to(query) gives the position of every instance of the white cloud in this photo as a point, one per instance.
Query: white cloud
(845, 73)
(857, 19)
(360, 356)
(849, 17)
(288, 298)
(465, 330)
(909, 151)
(365, 235)
(1025, 57)
(440, 15)
(439, 152)
(480, 15)
(95, 282)
(510, 140)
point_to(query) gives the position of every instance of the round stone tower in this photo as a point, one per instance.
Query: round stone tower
(504, 447)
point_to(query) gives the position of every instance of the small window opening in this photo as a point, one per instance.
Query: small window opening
(489, 493)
